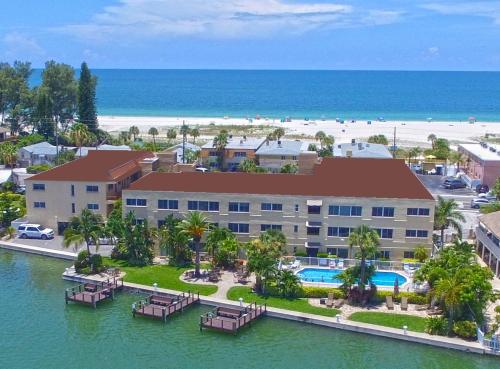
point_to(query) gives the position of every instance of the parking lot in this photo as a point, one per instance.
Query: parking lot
(57, 244)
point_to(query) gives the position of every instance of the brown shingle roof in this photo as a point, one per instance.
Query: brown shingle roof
(342, 177)
(98, 165)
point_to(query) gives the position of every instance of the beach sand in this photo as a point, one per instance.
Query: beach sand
(409, 133)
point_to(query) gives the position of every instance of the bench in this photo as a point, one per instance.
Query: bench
(161, 300)
(229, 313)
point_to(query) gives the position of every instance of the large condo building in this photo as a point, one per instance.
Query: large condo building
(93, 182)
(315, 211)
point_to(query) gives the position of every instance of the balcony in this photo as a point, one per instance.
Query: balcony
(489, 240)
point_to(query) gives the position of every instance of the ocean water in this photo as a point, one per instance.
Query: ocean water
(39, 331)
(393, 95)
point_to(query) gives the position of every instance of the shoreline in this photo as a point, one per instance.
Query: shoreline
(407, 132)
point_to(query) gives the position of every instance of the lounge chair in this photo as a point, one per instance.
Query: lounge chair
(404, 303)
(340, 264)
(389, 302)
(295, 264)
(329, 301)
(332, 264)
(338, 303)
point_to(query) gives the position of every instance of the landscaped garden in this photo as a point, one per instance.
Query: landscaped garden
(414, 323)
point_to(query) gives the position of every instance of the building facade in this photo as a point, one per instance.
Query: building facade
(488, 240)
(93, 182)
(316, 212)
(482, 164)
(273, 155)
(237, 150)
(360, 149)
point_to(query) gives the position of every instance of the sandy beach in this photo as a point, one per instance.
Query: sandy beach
(408, 133)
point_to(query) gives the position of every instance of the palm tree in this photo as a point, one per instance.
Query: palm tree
(449, 291)
(134, 132)
(367, 240)
(171, 135)
(413, 153)
(274, 237)
(215, 237)
(153, 132)
(278, 133)
(195, 132)
(328, 141)
(220, 142)
(248, 166)
(124, 137)
(432, 139)
(80, 135)
(85, 229)
(447, 215)
(289, 168)
(195, 225)
(320, 136)
(457, 158)
(8, 154)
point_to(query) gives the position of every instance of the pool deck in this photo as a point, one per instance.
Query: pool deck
(338, 323)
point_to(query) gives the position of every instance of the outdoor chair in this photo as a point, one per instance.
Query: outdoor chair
(404, 303)
(338, 303)
(329, 302)
(389, 302)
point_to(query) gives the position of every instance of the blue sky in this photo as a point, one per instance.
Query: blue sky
(255, 34)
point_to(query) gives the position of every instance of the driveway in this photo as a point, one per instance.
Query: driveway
(57, 244)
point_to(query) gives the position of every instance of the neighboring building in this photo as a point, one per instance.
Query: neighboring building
(482, 164)
(315, 211)
(237, 150)
(273, 155)
(94, 182)
(488, 240)
(85, 150)
(38, 154)
(178, 149)
(355, 149)
(4, 134)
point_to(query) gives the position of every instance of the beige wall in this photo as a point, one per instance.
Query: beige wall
(275, 162)
(288, 218)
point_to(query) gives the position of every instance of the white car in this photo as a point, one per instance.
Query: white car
(35, 231)
(478, 201)
(489, 196)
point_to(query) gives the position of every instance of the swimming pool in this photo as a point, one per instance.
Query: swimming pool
(383, 279)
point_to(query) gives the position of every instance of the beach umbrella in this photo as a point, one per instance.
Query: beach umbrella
(396, 287)
(430, 157)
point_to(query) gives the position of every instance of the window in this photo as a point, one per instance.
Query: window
(240, 154)
(313, 231)
(92, 188)
(314, 209)
(418, 211)
(383, 255)
(139, 221)
(339, 231)
(283, 157)
(266, 227)
(72, 190)
(203, 205)
(39, 205)
(295, 228)
(294, 157)
(136, 202)
(385, 232)
(239, 207)
(347, 211)
(409, 255)
(38, 187)
(93, 206)
(168, 204)
(239, 227)
(213, 153)
(383, 212)
(420, 233)
(73, 211)
(340, 252)
(296, 207)
(267, 206)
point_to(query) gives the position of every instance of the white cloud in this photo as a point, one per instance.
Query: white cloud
(486, 9)
(221, 19)
(18, 45)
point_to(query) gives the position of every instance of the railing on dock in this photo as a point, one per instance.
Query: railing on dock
(92, 293)
(231, 319)
(153, 306)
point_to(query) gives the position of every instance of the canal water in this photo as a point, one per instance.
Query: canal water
(37, 330)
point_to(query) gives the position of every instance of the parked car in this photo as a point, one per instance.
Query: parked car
(35, 231)
(454, 183)
(478, 201)
(482, 188)
(488, 195)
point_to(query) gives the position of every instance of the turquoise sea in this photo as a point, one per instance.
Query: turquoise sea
(37, 330)
(299, 94)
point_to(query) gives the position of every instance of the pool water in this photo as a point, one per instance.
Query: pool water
(382, 279)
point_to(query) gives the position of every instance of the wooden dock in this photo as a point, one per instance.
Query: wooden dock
(162, 305)
(92, 293)
(231, 319)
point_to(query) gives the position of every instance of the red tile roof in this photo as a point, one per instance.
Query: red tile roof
(341, 177)
(99, 166)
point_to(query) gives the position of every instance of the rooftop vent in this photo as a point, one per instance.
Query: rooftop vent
(360, 146)
(353, 142)
(279, 143)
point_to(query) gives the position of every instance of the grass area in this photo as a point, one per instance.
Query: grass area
(165, 275)
(301, 305)
(414, 323)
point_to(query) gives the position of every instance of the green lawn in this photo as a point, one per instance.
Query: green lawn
(165, 275)
(301, 305)
(414, 323)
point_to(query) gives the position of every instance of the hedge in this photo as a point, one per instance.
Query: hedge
(320, 292)
(413, 298)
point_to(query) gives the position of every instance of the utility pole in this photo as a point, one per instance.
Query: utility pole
(394, 144)
(184, 136)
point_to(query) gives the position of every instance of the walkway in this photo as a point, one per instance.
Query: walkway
(223, 286)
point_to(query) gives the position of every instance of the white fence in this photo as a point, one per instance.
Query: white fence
(379, 265)
(490, 343)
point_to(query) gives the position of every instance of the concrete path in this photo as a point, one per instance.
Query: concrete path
(223, 286)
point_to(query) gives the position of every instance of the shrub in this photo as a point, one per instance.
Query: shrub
(421, 253)
(465, 329)
(82, 261)
(436, 325)
(95, 262)
(322, 255)
(301, 253)
(119, 252)
(497, 309)
(321, 292)
(413, 298)
(35, 169)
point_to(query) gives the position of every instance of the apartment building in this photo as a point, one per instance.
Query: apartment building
(488, 240)
(273, 155)
(359, 149)
(237, 150)
(315, 211)
(92, 182)
(482, 165)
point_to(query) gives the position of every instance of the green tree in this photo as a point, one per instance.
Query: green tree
(134, 132)
(289, 168)
(414, 152)
(312, 147)
(274, 237)
(248, 166)
(496, 188)
(320, 137)
(219, 143)
(278, 133)
(87, 112)
(432, 139)
(8, 154)
(15, 94)
(447, 215)
(457, 158)
(171, 135)
(378, 139)
(85, 229)
(175, 242)
(288, 283)
(215, 236)
(262, 257)
(367, 240)
(195, 132)
(137, 240)
(448, 290)
(153, 132)
(421, 253)
(80, 135)
(195, 225)
(12, 206)
(42, 117)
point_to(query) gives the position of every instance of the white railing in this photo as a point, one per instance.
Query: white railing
(490, 343)
(379, 264)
